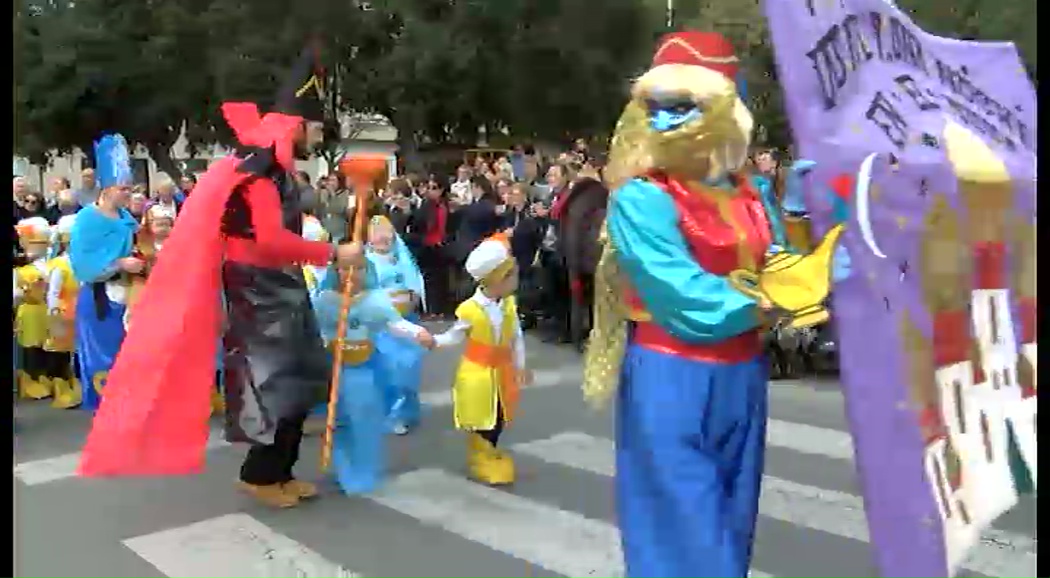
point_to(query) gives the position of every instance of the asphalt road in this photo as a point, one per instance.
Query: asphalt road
(557, 520)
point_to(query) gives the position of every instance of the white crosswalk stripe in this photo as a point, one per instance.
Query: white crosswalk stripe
(999, 553)
(549, 537)
(49, 470)
(57, 468)
(231, 546)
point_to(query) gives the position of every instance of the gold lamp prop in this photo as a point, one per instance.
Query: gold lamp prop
(362, 171)
(797, 284)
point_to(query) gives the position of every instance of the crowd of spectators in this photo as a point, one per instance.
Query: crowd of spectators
(440, 217)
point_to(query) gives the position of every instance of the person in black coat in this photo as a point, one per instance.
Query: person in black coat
(526, 234)
(477, 221)
(426, 237)
(398, 205)
(524, 228)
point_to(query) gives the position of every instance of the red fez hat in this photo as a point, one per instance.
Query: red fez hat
(708, 49)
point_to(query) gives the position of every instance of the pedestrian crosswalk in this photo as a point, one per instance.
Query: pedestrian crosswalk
(535, 532)
(229, 546)
(801, 505)
(547, 536)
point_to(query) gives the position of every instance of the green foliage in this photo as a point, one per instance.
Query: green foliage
(439, 69)
(991, 20)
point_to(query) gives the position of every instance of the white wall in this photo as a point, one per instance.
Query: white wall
(364, 134)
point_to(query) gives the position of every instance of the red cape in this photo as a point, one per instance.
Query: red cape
(156, 403)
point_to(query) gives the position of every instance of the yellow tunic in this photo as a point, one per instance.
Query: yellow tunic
(486, 374)
(31, 314)
(67, 307)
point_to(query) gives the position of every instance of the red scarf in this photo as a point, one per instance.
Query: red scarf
(559, 202)
(436, 231)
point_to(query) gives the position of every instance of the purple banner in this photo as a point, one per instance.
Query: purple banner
(935, 139)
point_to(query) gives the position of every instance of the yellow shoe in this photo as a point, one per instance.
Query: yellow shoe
(487, 464)
(47, 384)
(272, 495)
(218, 404)
(67, 395)
(30, 388)
(300, 489)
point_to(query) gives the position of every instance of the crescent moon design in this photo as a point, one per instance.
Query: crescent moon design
(863, 205)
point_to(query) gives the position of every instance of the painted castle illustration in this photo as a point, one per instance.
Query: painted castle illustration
(972, 380)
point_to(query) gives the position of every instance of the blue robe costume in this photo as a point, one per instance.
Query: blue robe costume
(690, 427)
(360, 429)
(400, 358)
(96, 242)
(768, 196)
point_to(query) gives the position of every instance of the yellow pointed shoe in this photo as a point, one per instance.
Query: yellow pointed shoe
(486, 465)
(67, 394)
(218, 404)
(502, 469)
(33, 388)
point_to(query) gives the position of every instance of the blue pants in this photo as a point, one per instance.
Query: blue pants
(97, 344)
(358, 448)
(690, 442)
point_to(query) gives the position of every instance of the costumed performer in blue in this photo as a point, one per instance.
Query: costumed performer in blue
(100, 254)
(400, 359)
(357, 450)
(675, 339)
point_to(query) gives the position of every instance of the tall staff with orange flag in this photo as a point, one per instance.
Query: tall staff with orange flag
(239, 234)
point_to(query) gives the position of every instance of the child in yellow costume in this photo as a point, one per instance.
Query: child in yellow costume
(492, 368)
(62, 289)
(30, 288)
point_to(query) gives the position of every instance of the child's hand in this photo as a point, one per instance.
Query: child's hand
(425, 339)
(525, 378)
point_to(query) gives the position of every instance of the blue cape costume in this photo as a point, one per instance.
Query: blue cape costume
(95, 243)
(401, 359)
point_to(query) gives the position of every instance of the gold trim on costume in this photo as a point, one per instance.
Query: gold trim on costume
(314, 82)
(676, 41)
(354, 352)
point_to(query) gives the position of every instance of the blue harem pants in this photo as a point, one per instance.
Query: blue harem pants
(99, 335)
(358, 441)
(690, 443)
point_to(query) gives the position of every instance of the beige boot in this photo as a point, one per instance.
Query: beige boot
(300, 489)
(272, 495)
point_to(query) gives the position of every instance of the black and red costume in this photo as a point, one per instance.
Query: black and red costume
(238, 235)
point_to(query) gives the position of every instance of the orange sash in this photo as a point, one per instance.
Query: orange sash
(499, 358)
